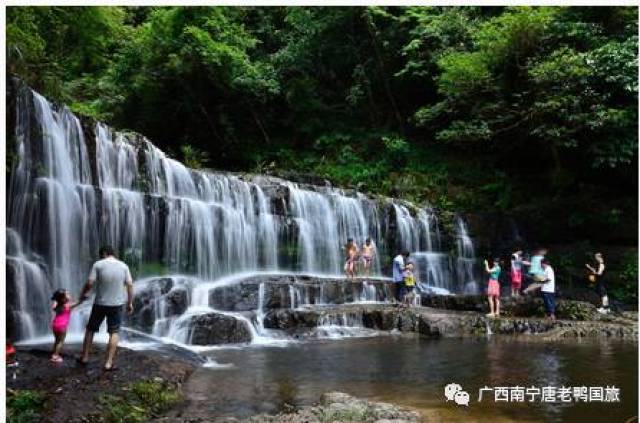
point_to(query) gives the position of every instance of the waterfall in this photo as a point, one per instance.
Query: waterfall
(76, 185)
(465, 262)
(318, 241)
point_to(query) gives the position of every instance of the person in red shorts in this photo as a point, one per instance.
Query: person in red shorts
(493, 287)
(516, 273)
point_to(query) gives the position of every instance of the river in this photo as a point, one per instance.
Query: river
(413, 371)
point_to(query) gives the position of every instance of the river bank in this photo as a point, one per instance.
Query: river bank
(376, 352)
(146, 383)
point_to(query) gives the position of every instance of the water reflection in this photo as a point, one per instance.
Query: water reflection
(413, 372)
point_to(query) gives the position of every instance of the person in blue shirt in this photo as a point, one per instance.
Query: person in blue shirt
(535, 265)
(398, 266)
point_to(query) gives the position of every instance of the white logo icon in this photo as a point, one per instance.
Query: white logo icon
(454, 392)
(462, 398)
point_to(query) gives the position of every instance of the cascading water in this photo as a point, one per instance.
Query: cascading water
(465, 262)
(75, 186)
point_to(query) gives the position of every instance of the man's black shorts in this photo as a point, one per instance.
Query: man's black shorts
(99, 312)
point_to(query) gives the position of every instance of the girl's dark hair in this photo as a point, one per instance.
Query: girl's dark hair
(59, 297)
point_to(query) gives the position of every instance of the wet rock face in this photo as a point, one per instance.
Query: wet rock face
(436, 323)
(216, 328)
(523, 306)
(161, 297)
(288, 291)
(12, 301)
(291, 319)
(246, 296)
(176, 301)
(377, 317)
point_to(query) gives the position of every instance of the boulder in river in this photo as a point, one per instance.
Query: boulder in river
(340, 407)
(216, 328)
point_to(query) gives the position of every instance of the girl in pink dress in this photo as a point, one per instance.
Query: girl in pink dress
(61, 306)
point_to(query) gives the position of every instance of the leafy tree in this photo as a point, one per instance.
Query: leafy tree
(520, 109)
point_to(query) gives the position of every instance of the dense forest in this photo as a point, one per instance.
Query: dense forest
(525, 110)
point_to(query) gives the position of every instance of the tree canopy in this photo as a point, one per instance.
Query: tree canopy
(477, 108)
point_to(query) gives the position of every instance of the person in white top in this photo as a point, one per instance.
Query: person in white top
(398, 275)
(112, 282)
(548, 289)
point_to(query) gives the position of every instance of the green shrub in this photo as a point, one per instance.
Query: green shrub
(24, 406)
(140, 402)
(625, 289)
(194, 157)
(150, 268)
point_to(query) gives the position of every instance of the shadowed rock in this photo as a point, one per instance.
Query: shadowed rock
(216, 328)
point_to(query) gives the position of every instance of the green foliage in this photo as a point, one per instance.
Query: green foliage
(24, 406)
(573, 310)
(463, 73)
(625, 289)
(153, 268)
(140, 402)
(472, 108)
(193, 157)
(57, 48)
(524, 77)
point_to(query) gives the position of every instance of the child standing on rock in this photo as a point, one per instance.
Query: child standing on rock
(62, 306)
(409, 281)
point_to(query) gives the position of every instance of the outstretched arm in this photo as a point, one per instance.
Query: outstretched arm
(74, 304)
(86, 289)
(588, 266)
